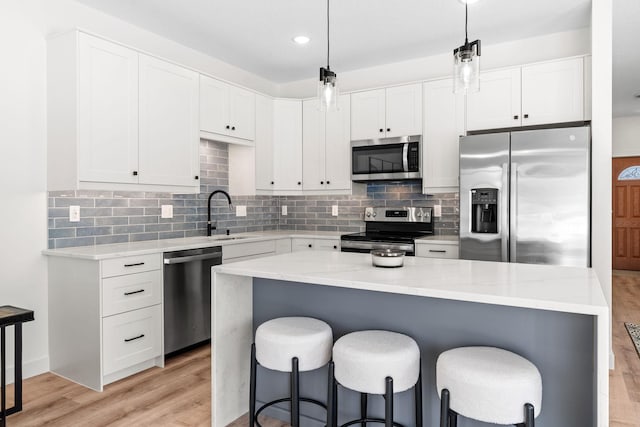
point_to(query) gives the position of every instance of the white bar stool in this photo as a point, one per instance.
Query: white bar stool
(488, 384)
(289, 344)
(374, 362)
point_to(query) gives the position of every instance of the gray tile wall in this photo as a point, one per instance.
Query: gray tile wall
(125, 216)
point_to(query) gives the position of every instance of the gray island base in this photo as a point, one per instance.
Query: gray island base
(567, 340)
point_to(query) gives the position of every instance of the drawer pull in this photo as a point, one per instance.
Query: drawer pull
(134, 338)
(134, 265)
(438, 251)
(133, 292)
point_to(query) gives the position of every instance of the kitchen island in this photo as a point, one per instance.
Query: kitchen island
(556, 317)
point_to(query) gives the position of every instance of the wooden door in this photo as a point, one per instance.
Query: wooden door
(626, 213)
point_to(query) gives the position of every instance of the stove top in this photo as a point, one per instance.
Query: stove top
(376, 236)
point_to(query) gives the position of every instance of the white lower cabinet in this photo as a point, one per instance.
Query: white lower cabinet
(315, 244)
(443, 249)
(105, 317)
(131, 338)
(243, 251)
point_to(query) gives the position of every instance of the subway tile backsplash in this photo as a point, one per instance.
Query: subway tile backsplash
(130, 216)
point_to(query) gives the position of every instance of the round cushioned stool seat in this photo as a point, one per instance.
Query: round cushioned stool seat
(489, 384)
(280, 340)
(364, 359)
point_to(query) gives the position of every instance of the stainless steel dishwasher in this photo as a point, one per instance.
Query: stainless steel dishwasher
(187, 297)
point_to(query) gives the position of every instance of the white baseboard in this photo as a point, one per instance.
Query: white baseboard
(30, 368)
(612, 360)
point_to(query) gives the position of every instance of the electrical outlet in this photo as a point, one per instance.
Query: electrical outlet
(284, 210)
(437, 211)
(334, 210)
(241, 211)
(74, 213)
(166, 211)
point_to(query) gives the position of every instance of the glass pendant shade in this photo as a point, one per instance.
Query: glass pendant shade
(466, 68)
(328, 90)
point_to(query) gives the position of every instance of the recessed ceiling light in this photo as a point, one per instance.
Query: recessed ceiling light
(301, 39)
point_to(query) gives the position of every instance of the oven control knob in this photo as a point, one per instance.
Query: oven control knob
(374, 214)
(368, 214)
(419, 214)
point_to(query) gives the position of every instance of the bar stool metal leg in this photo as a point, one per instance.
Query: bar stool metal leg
(363, 408)
(252, 387)
(529, 416)
(453, 418)
(295, 393)
(388, 403)
(444, 408)
(330, 390)
(3, 377)
(418, 398)
(18, 368)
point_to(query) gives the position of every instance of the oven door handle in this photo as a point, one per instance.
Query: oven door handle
(407, 247)
(182, 260)
(405, 157)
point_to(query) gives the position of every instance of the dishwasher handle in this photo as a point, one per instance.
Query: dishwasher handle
(182, 260)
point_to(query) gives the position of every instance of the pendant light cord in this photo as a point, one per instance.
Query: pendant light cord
(466, 23)
(328, 34)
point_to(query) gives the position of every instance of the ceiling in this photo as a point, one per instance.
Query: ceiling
(626, 58)
(256, 34)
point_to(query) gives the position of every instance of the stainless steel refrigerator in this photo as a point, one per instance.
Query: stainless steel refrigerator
(525, 196)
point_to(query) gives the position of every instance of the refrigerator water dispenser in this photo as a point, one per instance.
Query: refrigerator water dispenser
(484, 210)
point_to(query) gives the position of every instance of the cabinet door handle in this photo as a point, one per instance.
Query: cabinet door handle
(328, 182)
(335, 246)
(388, 129)
(134, 338)
(381, 130)
(271, 182)
(439, 251)
(321, 182)
(227, 126)
(134, 292)
(134, 265)
(526, 116)
(516, 117)
(233, 128)
(135, 173)
(197, 177)
(310, 245)
(299, 183)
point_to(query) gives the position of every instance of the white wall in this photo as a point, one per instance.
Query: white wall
(551, 46)
(626, 136)
(23, 217)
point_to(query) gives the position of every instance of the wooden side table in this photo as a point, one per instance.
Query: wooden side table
(9, 316)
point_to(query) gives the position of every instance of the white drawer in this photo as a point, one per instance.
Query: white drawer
(434, 250)
(302, 245)
(131, 264)
(131, 338)
(315, 244)
(130, 292)
(248, 249)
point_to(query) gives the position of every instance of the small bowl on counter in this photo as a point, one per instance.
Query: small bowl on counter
(388, 258)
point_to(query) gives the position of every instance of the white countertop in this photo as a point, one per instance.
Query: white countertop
(116, 250)
(565, 289)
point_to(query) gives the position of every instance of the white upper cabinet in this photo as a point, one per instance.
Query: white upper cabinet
(444, 117)
(386, 113)
(226, 110)
(497, 104)
(287, 140)
(118, 119)
(169, 141)
(264, 148)
(404, 110)
(326, 147)
(545, 93)
(107, 111)
(368, 115)
(553, 92)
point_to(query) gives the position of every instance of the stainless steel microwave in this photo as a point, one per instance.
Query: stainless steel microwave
(386, 159)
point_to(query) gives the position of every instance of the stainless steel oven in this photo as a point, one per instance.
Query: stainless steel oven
(392, 228)
(386, 159)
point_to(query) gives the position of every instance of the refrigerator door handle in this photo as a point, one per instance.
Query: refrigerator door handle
(514, 212)
(503, 212)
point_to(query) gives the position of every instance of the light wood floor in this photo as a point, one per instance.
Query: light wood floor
(180, 394)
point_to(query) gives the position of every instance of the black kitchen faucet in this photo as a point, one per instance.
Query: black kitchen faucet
(209, 227)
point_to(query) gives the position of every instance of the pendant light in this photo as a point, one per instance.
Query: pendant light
(466, 62)
(328, 86)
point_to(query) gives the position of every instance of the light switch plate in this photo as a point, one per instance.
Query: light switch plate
(241, 211)
(74, 213)
(334, 210)
(284, 210)
(437, 211)
(166, 211)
